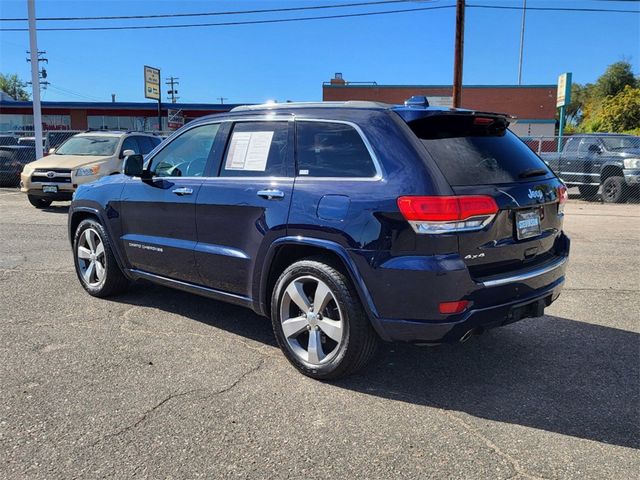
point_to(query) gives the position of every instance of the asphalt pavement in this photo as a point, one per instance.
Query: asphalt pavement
(158, 383)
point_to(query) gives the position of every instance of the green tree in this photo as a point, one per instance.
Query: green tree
(622, 112)
(12, 85)
(617, 76)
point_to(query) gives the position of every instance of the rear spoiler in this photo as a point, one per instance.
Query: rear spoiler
(410, 114)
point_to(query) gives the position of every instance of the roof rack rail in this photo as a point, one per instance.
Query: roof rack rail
(278, 106)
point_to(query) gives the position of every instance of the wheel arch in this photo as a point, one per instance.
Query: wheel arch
(83, 212)
(611, 170)
(287, 250)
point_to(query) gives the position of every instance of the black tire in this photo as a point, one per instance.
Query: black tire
(113, 280)
(39, 202)
(359, 340)
(614, 190)
(588, 191)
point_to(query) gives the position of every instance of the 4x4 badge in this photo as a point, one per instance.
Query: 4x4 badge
(473, 257)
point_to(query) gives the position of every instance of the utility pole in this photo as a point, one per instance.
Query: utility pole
(222, 99)
(524, 13)
(173, 82)
(35, 77)
(458, 54)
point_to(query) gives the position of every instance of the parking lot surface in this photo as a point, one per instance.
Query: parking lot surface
(162, 384)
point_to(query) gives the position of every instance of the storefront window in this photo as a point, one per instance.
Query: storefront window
(136, 124)
(10, 122)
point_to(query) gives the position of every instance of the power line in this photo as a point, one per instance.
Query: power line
(221, 24)
(209, 14)
(324, 17)
(555, 9)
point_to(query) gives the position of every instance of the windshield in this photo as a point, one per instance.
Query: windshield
(621, 143)
(89, 145)
(481, 151)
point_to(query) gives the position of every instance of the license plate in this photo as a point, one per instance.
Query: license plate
(50, 188)
(527, 224)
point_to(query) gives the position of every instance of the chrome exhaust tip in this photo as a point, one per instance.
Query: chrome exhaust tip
(467, 335)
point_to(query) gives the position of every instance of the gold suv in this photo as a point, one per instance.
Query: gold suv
(83, 158)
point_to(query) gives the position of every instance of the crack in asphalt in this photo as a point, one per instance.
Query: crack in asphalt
(165, 400)
(474, 432)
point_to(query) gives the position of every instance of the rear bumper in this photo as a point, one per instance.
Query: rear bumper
(405, 294)
(474, 320)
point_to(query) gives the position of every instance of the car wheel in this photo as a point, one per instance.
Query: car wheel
(588, 191)
(95, 263)
(39, 202)
(319, 322)
(614, 190)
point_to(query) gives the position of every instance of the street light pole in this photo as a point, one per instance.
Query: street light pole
(35, 77)
(524, 14)
(458, 54)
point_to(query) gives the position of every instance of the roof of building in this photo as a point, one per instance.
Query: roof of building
(122, 105)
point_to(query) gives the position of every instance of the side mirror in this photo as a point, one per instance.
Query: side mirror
(133, 165)
(52, 151)
(593, 148)
(127, 153)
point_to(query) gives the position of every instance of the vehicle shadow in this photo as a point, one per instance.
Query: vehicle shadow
(57, 209)
(555, 374)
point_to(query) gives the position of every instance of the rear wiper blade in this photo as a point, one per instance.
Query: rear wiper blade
(533, 172)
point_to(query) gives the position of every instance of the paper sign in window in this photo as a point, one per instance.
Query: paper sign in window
(249, 151)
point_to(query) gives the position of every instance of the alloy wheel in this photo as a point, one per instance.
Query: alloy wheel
(91, 258)
(312, 322)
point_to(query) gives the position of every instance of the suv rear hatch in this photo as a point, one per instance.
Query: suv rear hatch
(483, 161)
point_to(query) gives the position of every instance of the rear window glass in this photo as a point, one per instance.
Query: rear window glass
(468, 153)
(332, 150)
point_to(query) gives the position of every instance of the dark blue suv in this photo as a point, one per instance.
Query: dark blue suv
(345, 223)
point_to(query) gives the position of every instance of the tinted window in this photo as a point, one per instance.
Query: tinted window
(146, 144)
(588, 143)
(257, 149)
(482, 153)
(130, 143)
(572, 145)
(332, 150)
(186, 155)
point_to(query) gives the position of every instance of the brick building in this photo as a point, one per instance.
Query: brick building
(533, 105)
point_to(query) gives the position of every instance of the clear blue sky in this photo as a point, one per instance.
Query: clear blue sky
(254, 63)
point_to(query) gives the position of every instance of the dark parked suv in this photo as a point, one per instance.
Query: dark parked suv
(345, 223)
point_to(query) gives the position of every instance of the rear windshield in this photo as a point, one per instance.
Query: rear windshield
(473, 150)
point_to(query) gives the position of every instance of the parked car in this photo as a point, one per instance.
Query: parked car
(346, 223)
(610, 161)
(31, 141)
(13, 158)
(8, 140)
(83, 158)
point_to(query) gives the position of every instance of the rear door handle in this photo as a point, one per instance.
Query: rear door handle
(183, 191)
(271, 194)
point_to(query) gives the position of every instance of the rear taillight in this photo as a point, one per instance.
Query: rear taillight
(563, 196)
(447, 214)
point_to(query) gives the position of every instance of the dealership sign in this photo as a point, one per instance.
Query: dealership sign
(175, 118)
(152, 83)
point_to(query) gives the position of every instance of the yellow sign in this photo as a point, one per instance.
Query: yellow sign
(152, 83)
(564, 90)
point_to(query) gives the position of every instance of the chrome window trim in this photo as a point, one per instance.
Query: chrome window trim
(374, 158)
